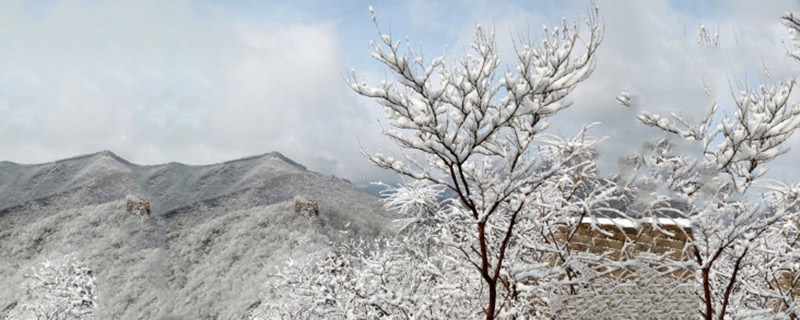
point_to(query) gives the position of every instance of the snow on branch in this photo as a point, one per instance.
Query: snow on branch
(737, 145)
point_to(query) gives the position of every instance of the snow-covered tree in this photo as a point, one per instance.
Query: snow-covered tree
(473, 130)
(775, 276)
(425, 271)
(503, 244)
(57, 289)
(734, 234)
(792, 22)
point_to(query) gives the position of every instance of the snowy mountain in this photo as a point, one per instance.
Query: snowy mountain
(215, 233)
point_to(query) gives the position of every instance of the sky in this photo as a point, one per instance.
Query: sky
(201, 82)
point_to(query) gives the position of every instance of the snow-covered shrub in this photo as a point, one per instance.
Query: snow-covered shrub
(57, 289)
(400, 276)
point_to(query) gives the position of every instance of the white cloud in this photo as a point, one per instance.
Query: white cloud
(183, 81)
(160, 82)
(650, 49)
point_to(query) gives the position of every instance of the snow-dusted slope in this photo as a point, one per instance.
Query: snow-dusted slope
(215, 233)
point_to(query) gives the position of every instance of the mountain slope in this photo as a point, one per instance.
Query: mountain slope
(215, 233)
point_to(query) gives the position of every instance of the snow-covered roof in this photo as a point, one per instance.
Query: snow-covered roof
(633, 223)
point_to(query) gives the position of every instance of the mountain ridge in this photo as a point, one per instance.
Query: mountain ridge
(34, 181)
(214, 228)
(115, 156)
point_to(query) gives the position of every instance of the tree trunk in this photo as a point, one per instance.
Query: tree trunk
(490, 310)
(709, 315)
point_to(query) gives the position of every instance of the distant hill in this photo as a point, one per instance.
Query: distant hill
(215, 233)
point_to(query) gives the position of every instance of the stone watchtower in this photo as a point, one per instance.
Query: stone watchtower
(137, 205)
(306, 207)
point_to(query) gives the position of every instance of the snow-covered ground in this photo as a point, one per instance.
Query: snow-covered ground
(215, 233)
